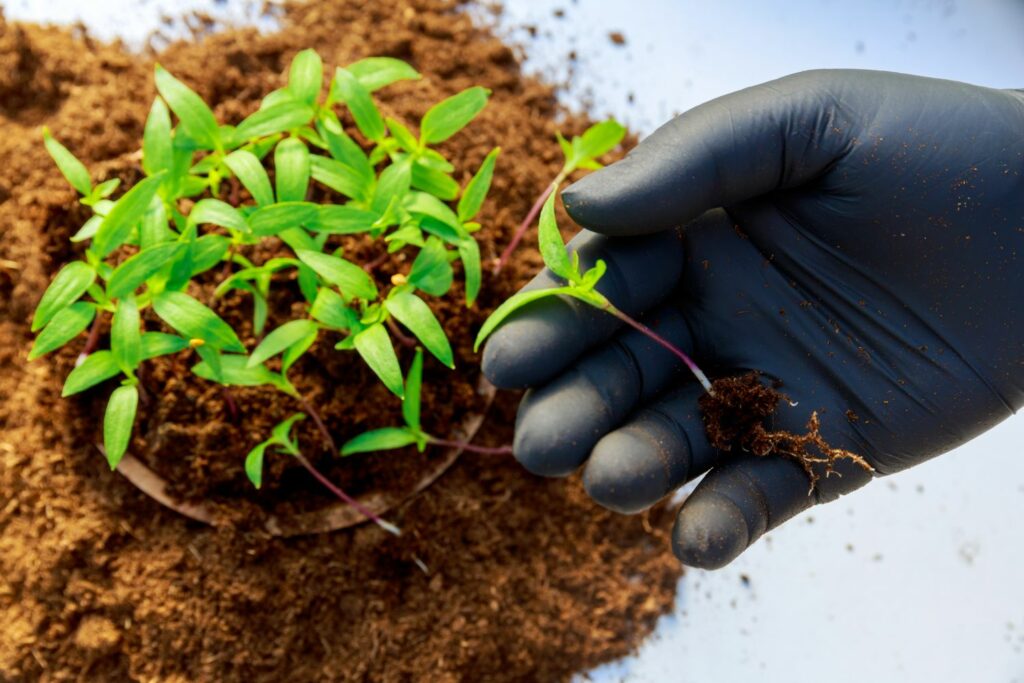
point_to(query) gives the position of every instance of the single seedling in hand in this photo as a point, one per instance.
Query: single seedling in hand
(390, 438)
(578, 285)
(581, 152)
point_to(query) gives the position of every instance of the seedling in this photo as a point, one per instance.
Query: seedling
(578, 285)
(390, 438)
(582, 152)
(208, 200)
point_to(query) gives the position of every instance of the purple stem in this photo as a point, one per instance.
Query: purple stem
(402, 338)
(654, 336)
(483, 450)
(93, 340)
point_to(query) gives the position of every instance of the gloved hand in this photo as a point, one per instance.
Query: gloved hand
(857, 235)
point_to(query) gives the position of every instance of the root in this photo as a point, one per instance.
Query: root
(735, 416)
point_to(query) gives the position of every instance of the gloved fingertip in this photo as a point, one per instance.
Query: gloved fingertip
(500, 363)
(625, 473)
(710, 531)
(556, 427)
(603, 201)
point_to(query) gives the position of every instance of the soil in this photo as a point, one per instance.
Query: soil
(498, 575)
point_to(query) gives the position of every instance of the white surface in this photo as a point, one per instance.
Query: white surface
(915, 578)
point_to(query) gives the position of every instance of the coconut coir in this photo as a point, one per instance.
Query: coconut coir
(527, 579)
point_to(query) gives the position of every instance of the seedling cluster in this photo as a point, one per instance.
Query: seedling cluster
(145, 249)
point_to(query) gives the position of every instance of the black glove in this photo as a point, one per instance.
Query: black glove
(857, 235)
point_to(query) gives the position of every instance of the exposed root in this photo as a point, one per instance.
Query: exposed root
(735, 416)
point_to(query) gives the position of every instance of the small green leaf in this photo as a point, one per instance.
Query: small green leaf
(423, 204)
(295, 351)
(88, 230)
(413, 312)
(276, 218)
(125, 336)
(234, 371)
(386, 439)
(353, 281)
(413, 385)
(250, 172)
(552, 248)
(281, 433)
(343, 220)
(405, 139)
(297, 238)
(440, 185)
(193, 320)
(132, 273)
(196, 118)
(280, 339)
(374, 73)
(212, 361)
(431, 271)
(330, 309)
(291, 163)
(393, 183)
(349, 90)
(254, 464)
(97, 367)
(448, 117)
(118, 421)
(306, 76)
(65, 326)
(157, 145)
(127, 212)
(279, 118)
(70, 167)
(206, 252)
(153, 228)
(339, 177)
(217, 212)
(70, 284)
(155, 344)
(600, 139)
(512, 304)
(374, 345)
(343, 148)
(476, 190)
(469, 252)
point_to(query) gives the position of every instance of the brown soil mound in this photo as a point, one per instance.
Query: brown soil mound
(527, 579)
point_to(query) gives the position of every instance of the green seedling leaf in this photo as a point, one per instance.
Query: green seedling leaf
(339, 177)
(295, 351)
(70, 284)
(217, 212)
(197, 120)
(153, 228)
(448, 117)
(353, 281)
(469, 252)
(330, 309)
(405, 139)
(132, 273)
(250, 172)
(157, 145)
(101, 192)
(118, 421)
(374, 345)
(600, 139)
(306, 76)
(343, 148)
(393, 183)
(512, 304)
(431, 271)
(234, 371)
(281, 433)
(65, 326)
(88, 230)
(254, 463)
(374, 73)
(291, 163)
(440, 185)
(156, 344)
(348, 89)
(413, 385)
(477, 188)
(280, 339)
(193, 320)
(276, 218)
(552, 247)
(98, 366)
(70, 167)
(423, 204)
(127, 212)
(278, 118)
(413, 312)
(211, 359)
(386, 439)
(206, 252)
(343, 220)
(125, 336)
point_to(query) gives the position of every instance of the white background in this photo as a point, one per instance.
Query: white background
(916, 578)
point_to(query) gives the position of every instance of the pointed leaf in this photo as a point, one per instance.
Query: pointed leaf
(353, 281)
(197, 120)
(512, 304)
(97, 367)
(127, 212)
(65, 326)
(448, 117)
(250, 172)
(374, 345)
(234, 371)
(552, 247)
(600, 138)
(413, 312)
(339, 177)
(70, 283)
(281, 433)
(132, 273)
(217, 212)
(440, 185)
(278, 118)
(330, 309)
(476, 190)
(155, 344)
(413, 385)
(291, 164)
(125, 335)
(157, 145)
(469, 252)
(276, 218)
(374, 73)
(280, 339)
(193, 320)
(70, 167)
(431, 271)
(118, 421)
(254, 464)
(386, 439)
(343, 220)
(393, 183)
(357, 98)
(306, 76)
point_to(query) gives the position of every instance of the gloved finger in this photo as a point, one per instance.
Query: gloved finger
(540, 340)
(657, 451)
(747, 495)
(559, 423)
(773, 136)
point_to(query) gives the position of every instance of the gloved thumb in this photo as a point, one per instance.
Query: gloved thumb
(774, 136)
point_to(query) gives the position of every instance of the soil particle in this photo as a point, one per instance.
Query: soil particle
(528, 580)
(617, 38)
